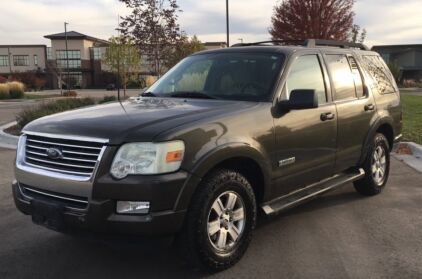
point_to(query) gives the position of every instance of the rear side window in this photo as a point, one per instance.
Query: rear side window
(306, 73)
(383, 80)
(342, 76)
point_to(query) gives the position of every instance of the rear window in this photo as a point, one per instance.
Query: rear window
(382, 78)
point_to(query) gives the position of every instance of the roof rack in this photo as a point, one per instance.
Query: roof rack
(307, 43)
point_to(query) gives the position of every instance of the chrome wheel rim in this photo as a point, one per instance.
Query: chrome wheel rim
(226, 221)
(379, 165)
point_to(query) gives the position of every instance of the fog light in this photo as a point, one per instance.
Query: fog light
(132, 207)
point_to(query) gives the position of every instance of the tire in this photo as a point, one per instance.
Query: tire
(376, 170)
(201, 240)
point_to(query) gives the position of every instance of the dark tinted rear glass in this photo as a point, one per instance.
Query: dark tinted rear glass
(383, 80)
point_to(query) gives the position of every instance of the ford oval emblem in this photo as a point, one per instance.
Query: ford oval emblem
(54, 153)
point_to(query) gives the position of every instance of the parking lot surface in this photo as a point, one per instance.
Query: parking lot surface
(340, 235)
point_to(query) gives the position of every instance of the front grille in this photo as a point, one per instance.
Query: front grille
(77, 157)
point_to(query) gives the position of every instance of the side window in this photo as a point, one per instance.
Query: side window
(383, 80)
(306, 73)
(342, 77)
(357, 77)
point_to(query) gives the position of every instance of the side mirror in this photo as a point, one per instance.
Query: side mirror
(300, 99)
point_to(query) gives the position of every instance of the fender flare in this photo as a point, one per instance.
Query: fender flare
(371, 134)
(214, 157)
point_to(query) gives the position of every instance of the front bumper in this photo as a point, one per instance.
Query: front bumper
(100, 215)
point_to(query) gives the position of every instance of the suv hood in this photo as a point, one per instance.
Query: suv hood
(138, 119)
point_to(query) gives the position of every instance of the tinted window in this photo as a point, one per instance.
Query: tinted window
(306, 74)
(383, 80)
(357, 77)
(342, 77)
(228, 76)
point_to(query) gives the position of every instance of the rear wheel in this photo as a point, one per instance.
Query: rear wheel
(219, 222)
(376, 166)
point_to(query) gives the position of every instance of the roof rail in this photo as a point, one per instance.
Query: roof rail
(308, 43)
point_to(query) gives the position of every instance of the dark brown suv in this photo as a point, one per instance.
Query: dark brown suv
(222, 135)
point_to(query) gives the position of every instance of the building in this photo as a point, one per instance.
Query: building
(80, 67)
(22, 58)
(82, 64)
(407, 57)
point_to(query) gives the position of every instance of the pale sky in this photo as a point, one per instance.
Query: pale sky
(27, 21)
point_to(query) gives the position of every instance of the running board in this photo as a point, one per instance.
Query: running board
(311, 191)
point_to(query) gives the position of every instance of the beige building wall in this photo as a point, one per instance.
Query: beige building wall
(31, 51)
(82, 45)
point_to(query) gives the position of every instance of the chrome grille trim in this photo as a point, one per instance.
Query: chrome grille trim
(80, 155)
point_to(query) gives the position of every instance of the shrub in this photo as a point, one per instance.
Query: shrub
(46, 108)
(107, 99)
(16, 89)
(409, 83)
(3, 79)
(4, 91)
(70, 94)
(32, 80)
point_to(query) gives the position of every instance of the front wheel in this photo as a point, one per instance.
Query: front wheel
(219, 222)
(376, 166)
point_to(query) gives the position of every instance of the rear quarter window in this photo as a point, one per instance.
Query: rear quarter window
(382, 78)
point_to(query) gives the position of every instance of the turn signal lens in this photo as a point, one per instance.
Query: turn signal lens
(174, 156)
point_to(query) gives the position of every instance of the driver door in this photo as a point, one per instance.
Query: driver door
(305, 138)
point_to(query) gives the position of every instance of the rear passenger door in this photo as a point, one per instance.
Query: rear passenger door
(355, 107)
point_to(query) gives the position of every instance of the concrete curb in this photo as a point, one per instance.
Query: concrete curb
(7, 140)
(413, 160)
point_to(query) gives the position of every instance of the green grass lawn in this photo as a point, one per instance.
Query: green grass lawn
(412, 118)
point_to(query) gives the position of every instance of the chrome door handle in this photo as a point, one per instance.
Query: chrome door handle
(327, 116)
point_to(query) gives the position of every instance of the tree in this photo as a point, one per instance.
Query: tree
(312, 19)
(182, 49)
(122, 58)
(395, 71)
(355, 36)
(153, 27)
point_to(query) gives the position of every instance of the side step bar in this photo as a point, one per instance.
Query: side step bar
(286, 202)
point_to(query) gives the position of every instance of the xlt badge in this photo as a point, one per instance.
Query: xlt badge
(287, 161)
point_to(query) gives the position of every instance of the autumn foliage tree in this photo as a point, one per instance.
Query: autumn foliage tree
(153, 26)
(312, 19)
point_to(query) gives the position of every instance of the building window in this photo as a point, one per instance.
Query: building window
(72, 54)
(96, 53)
(21, 60)
(4, 60)
(35, 60)
(73, 64)
(73, 58)
(74, 79)
(386, 57)
(49, 54)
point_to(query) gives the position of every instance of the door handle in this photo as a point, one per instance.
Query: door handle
(369, 107)
(327, 116)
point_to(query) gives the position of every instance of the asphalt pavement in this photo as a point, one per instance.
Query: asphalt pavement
(340, 235)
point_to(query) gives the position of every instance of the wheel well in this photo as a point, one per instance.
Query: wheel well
(250, 169)
(387, 131)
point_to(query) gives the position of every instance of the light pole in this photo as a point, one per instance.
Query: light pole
(67, 57)
(227, 23)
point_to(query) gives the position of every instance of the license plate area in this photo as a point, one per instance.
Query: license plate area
(47, 214)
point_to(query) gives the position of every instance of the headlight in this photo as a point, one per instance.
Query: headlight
(147, 158)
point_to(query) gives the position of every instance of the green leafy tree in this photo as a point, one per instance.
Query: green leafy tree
(182, 49)
(122, 58)
(153, 26)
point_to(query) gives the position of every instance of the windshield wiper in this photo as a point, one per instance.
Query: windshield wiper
(148, 94)
(191, 94)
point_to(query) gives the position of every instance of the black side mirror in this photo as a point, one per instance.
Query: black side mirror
(300, 99)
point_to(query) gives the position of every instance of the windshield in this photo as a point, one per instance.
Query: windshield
(227, 76)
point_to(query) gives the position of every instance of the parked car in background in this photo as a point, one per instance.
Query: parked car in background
(223, 135)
